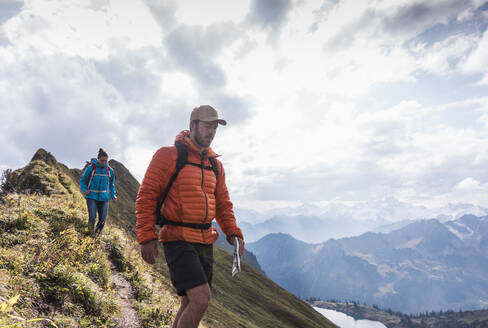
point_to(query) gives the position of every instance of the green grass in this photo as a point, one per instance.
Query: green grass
(156, 302)
(39, 177)
(47, 258)
(62, 273)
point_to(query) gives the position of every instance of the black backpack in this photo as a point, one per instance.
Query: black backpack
(181, 161)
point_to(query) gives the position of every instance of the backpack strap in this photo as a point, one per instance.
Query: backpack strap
(199, 226)
(180, 163)
(215, 167)
(94, 170)
(108, 181)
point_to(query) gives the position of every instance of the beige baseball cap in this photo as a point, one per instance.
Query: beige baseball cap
(206, 113)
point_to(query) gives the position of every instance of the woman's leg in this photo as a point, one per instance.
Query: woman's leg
(91, 204)
(102, 215)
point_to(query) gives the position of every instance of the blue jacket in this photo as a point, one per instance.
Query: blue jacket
(102, 187)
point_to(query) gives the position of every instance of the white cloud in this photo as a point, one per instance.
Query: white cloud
(164, 12)
(75, 29)
(210, 12)
(193, 49)
(9, 8)
(386, 23)
(270, 15)
(484, 80)
(468, 190)
(291, 82)
(476, 61)
(445, 56)
(466, 15)
(468, 184)
(407, 151)
(61, 105)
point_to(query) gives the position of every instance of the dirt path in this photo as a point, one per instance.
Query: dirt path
(128, 317)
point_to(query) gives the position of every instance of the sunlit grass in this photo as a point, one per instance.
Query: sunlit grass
(9, 320)
(55, 269)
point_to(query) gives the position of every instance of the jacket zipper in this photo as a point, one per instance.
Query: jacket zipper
(108, 182)
(99, 182)
(203, 190)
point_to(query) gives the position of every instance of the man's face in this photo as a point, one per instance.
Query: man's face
(204, 132)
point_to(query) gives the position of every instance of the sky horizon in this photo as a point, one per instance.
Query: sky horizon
(326, 101)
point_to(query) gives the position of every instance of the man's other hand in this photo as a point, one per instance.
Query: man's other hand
(149, 251)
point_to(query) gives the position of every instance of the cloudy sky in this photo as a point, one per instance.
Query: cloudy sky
(327, 101)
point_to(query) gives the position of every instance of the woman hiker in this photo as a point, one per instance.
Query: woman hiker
(97, 184)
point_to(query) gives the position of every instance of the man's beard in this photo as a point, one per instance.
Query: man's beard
(203, 142)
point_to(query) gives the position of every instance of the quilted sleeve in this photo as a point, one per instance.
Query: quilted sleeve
(155, 180)
(84, 179)
(225, 214)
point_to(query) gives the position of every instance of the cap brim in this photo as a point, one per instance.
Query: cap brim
(213, 119)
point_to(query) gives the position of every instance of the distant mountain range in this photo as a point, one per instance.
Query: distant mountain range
(247, 256)
(426, 265)
(442, 319)
(388, 209)
(315, 224)
(308, 228)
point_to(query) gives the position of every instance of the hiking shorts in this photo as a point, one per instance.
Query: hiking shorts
(190, 264)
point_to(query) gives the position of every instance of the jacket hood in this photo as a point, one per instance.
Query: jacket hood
(95, 161)
(184, 136)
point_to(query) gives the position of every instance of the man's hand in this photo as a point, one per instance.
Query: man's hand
(149, 251)
(241, 245)
(86, 192)
(114, 199)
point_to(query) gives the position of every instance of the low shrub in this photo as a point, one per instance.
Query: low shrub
(155, 316)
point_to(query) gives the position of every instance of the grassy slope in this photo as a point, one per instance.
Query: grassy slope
(252, 300)
(61, 273)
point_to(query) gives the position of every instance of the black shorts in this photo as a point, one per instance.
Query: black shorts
(190, 264)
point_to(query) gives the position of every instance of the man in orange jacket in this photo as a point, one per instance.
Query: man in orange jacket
(197, 196)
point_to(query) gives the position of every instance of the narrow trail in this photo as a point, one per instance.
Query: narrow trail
(128, 317)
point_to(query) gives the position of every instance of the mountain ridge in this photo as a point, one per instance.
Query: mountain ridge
(423, 266)
(42, 205)
(317, 223)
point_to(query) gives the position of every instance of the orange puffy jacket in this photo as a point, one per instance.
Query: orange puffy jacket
(196, 196)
